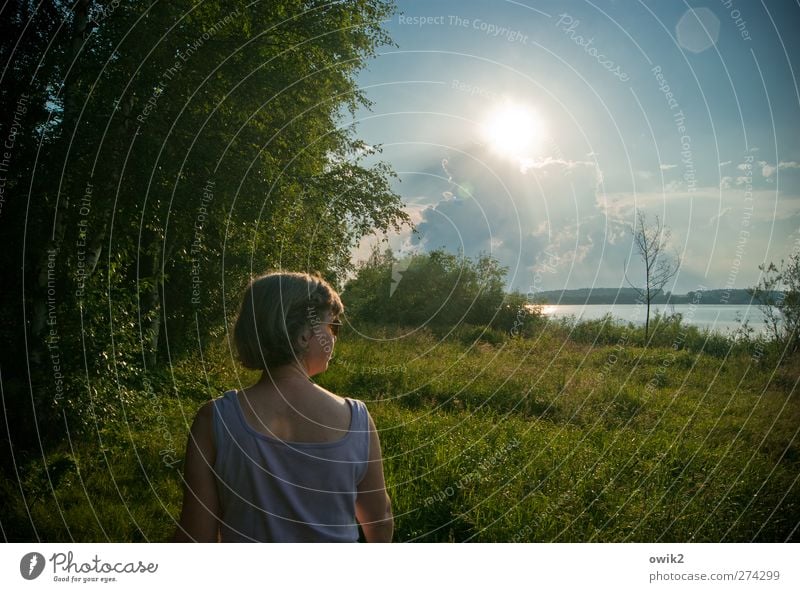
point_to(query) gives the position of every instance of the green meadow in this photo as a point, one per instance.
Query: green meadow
(167, 154)
(575, 433)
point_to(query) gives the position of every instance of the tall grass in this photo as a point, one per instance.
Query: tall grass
(576, 432)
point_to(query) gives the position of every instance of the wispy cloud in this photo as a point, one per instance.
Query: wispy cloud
(767, 169)
(528, 164)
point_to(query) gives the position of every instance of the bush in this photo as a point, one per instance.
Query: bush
(436, 289)
(778, 295)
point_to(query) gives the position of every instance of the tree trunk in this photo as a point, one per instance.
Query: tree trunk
(53, 246)
(155, 308)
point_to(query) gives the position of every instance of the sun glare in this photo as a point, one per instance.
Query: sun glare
(512, 130)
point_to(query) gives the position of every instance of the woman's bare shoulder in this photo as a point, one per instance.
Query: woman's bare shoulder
(333, 397)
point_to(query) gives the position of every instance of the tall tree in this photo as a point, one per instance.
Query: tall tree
(650, 241)
(168, 151)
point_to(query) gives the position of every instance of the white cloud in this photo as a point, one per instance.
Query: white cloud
(666, 167)
(762, 174)
(766, 169)
(526, 164)
(702, 204)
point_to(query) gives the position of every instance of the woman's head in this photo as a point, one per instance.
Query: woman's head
(279, 313)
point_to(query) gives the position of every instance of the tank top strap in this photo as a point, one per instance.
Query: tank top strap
(361, 434)
(226, 422)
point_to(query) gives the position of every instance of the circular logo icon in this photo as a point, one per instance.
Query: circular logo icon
(31, 565)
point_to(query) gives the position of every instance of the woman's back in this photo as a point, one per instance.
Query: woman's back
(298, 484)
(285, 460)
(295, 412)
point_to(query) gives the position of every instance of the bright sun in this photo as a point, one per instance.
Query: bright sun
(512, 130)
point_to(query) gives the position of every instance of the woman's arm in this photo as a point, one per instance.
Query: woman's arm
(373, 506)
(200, 516)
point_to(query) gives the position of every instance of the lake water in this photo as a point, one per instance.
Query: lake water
(721, 318)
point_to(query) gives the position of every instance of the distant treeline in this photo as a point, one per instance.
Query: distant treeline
(629, 296)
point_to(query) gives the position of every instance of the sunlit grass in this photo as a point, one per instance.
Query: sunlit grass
(538, 439)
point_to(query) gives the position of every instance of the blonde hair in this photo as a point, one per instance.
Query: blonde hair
(277, 307)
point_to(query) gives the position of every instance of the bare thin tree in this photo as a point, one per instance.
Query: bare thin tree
(651, 243)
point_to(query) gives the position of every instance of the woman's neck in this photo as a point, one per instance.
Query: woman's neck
(277, 383)
(284, 374)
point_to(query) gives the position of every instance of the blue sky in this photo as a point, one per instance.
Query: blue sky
(685, 110)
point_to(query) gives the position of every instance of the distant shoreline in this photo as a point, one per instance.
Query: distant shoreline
(734, 297)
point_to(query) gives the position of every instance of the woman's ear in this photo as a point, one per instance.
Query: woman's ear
(304, 337)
